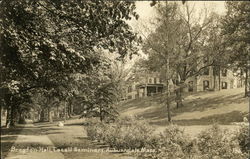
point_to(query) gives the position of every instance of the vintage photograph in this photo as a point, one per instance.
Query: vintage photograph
(124, 79)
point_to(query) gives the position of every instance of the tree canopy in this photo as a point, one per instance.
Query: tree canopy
(44, 42)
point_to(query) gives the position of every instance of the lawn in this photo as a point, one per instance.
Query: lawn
(199, 112)
(202, 108)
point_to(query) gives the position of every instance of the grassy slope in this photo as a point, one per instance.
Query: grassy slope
(200, 108)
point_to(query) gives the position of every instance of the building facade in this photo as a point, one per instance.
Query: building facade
(144, 84)
(149, 84)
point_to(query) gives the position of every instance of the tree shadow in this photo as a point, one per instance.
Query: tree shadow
(8, 141)
(224, 119)
(158, 112)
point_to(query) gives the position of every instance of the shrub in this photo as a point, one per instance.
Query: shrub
(243, 138)
(95, 129)
(125, 133)
(218, 143)
(128, 132)
(132, 133)
(172, 143)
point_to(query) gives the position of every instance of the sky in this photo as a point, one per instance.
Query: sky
(146, 12)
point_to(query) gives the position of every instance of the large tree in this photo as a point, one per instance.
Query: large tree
(236, 30)
(176, 44)
(45, 42)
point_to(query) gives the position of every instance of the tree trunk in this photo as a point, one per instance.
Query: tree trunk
(219, 78)
(57, 112)
(65, 111)
(8, 117)
(168, 91)
(21, 118)
(214, 76)
(179, 95)
(50, 119)
(42, 115)
(72, 109)
(246, 83)
(39, 116)
(69, 109)
(12, 115)
(7, 99)
(168, 103)
(101, 114)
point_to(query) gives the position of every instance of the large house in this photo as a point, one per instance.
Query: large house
(149, 84)
(144, 84)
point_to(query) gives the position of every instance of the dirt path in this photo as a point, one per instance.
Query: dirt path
(31, 138)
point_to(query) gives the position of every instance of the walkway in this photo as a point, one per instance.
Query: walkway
(31, 137)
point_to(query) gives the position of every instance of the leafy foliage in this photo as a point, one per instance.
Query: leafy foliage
(243, 138)
(216, 142)
(235, 29)
(44, 43)
(125, 133)
(131, 133)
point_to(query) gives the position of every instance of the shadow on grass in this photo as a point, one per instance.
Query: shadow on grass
(8, 141)
(158, 110)
(74, 124)
(224, 119)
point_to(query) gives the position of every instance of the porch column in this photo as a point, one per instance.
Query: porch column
(146, 91)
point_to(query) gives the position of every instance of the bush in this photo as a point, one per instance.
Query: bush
(95, 129)
(172, 143)
(131, 133)
(218, 143)
(125, 133)
(214, 143)
(128, 132)
(243, 138)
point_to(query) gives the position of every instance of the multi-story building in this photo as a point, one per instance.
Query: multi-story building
(144, 84)
(213, 80)
(148, 84)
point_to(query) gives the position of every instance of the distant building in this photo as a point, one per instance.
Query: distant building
(149, 84)
(213, 80)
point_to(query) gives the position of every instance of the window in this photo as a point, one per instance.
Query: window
(224, 72)
(129, 89)
(215, 71)
(150, 80)
(206, 71)
(190, 86)
(224, 85)
(205, 85)
(161, 80)
(155, 80)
